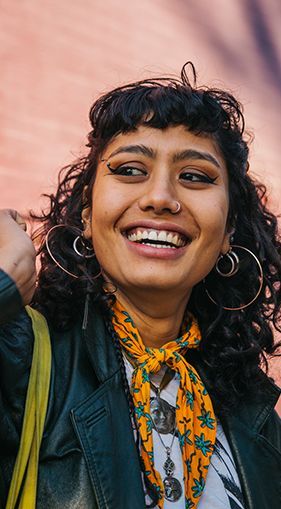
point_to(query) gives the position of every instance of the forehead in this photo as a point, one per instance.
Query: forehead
(163, 142)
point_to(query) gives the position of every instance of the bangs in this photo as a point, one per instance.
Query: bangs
(164, 102)
(157, 106)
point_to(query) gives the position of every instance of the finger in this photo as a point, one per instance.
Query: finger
(17, 218)
(21, 222)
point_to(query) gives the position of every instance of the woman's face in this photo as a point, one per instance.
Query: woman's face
(139, 239)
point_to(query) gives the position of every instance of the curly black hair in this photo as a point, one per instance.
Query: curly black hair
(235, 343)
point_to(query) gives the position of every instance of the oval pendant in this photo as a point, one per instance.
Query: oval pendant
(172, 489)
(163, 416)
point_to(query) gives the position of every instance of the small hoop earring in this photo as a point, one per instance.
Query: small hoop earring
(177, 209)
(80, 238)
(234, 261)
(54, 258)
(261, 275)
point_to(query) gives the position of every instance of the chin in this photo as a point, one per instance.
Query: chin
(150, 284)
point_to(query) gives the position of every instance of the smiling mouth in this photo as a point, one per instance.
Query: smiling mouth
(157, 238)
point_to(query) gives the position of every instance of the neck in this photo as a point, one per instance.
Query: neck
(158, 322)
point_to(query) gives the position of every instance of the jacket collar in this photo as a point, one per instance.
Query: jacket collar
(100, 345)
(105, 363)
(103, 425)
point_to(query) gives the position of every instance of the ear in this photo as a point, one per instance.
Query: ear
(86, 220)
(226, 241)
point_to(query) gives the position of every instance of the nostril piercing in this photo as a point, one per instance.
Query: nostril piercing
(177, 209)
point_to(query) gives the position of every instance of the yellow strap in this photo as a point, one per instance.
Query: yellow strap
(24, 480)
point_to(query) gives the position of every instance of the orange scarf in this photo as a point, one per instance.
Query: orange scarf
(195, 418)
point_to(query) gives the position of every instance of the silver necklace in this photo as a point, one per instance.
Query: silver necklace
(172, 486)
(163, 417)
(163, 414)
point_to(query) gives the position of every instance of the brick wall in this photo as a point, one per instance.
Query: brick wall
(57, 56)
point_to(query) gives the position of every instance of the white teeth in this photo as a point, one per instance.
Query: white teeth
(152, 235)
(160, 246)
(163, 236)
(175, 240)
(169, 237)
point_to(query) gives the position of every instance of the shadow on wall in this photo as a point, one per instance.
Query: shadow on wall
(259, 30)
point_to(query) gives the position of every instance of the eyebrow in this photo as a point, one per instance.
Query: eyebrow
(135, 149)
(195, 155)
(178, 156)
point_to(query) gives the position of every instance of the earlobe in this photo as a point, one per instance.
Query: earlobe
(226, 244)
(227, 241)
(86, 220)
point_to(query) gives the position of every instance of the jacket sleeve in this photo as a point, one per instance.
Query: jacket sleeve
(10, 299)
(16, 347)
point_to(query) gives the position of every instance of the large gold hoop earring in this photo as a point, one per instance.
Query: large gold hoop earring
(47, 244)
(234, 260)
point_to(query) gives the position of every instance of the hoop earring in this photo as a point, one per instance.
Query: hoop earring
(75, 249)
(234, 269)
(234, 260)
(79, 237)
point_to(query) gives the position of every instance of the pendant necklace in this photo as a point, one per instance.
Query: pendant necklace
(163, 417)
(162, 413)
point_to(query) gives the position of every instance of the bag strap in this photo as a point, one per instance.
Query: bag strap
(25, 473)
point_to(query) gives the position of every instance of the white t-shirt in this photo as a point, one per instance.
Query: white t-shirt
(222, 489)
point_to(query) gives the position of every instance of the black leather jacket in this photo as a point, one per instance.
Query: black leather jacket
(88, 457)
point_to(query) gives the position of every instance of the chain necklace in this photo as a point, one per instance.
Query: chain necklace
(164, 421)
(163, 417)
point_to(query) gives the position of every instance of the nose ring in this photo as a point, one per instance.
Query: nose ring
(177, 210)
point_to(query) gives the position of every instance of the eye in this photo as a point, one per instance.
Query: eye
(128, 170)
(189, 176)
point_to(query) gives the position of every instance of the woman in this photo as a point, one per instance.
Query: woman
(160, 280)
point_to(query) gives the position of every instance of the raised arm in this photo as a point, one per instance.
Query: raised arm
(17, 264)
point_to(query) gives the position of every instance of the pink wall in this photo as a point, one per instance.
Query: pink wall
(58, 56)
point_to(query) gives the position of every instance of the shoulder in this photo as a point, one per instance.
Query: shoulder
(268, 419)
(259, 417)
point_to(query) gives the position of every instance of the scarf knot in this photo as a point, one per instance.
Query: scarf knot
(153, 359)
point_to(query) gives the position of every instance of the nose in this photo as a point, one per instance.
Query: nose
(160, 197)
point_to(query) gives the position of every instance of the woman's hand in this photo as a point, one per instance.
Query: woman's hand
(17, 253)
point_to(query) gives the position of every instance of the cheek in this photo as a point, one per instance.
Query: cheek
(106, 211)
(215, 219)
(109, 202)
(215, 212)
(212, 222)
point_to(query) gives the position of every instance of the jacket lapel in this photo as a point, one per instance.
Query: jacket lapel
(103, 426)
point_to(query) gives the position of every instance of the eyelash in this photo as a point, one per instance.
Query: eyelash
(193, 177)
(121, 170)
(199, 177)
